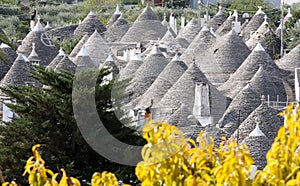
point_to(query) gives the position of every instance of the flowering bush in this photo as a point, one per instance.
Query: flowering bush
(171, 159)
(39, 175)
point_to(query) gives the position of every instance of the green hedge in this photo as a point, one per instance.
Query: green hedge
(9, 10)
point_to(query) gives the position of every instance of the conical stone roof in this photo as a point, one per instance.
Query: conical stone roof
(268, 40)
(146, 27)
(65, 64)
(190, 31)
(56, 60)
(240, 108)
(199, 52)
(65, 32)
(291, 60)
(147, 15)
(258, 146)
(117, 30)
(79, 45)
(110, 63)
(217, 20)
(229, 51)
(83, 60)
(198, 49)
(33, 56)
(171, 73)
(183, 92)
(267, 118)
(168, 37)
(247, 70)
(19, 72)
(131, 67)
(264, 27)
(264, 84)
(216, 133)
(44, 48)
(89, 24)
(252, 26)
(182, 118)
(97, 48)
(6, 63)
(193, 130)
(226, 27)
(204, 35)
(288, 16)
(147, 73)
(180, 91)
(114, 17)
(38, 26)
(170, 43)
(183, 42)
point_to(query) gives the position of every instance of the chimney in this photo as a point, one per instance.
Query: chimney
(182, 21)
(201, 105)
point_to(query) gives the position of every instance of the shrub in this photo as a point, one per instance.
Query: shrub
(171, 159)
(39, 175)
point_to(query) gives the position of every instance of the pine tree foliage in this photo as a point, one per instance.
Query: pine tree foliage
(46, 117)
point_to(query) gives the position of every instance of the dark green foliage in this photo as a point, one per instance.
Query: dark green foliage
(22, 29)
(225, 3)
(10, 10)
(4, 39)
(131, 2)
(292, 35)
(46, 117)
(177, 4)
(296, 16)
(69, 44)
(250, 5)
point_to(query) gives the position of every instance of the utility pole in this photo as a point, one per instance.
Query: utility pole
(282, 27)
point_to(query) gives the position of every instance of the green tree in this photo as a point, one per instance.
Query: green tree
(5, 39)
(293, 36)
(295, 9)
(249, 5)
(46, 117)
